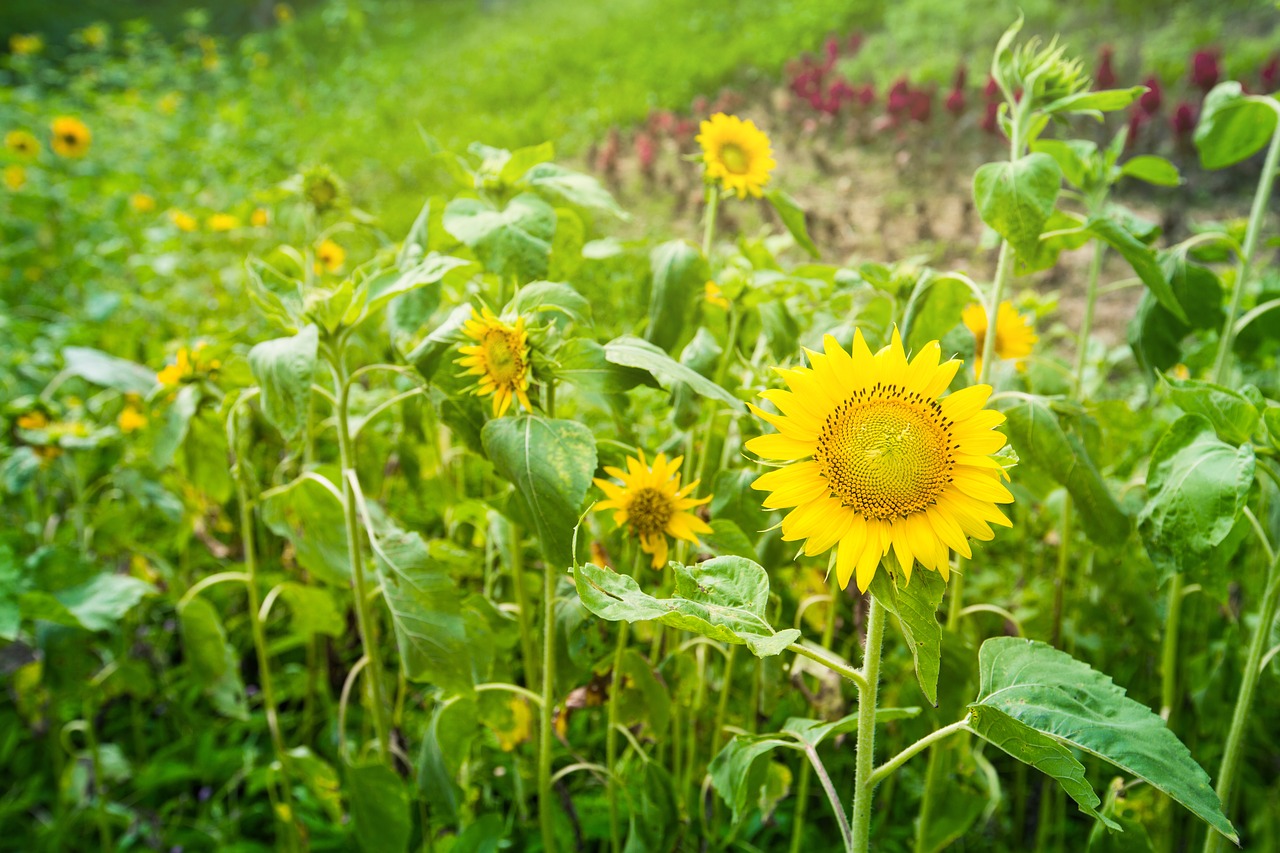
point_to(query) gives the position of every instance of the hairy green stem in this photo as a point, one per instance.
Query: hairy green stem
(611, 737)
(864, 761)
(1169, 650)
(802, 785)
(879, 774)
(545, 814)
(709, 220)
(528, 656)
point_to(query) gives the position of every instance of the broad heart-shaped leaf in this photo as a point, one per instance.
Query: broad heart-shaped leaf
(633, 352)
(572, 187)
(550, 462)
(432, 269)
(101, 602)
(915, 605)
(1151, 169)
(1233, 126)
(937, 311)
(792, 216)
(379, 808)
(678, 274)
(1039, 439)
(1232, 414)
(432, 351)
(310, 516)
(1016, 198)
(1039, 750)
(1143, 260)
(1051, 692)
(426, 610)
(513, 241)
(551, 296)
(736, 774)
(1155, 334)
(1197, 486)
(283, 369)
(212, 659)
(723, 599)
(582, 362)
(108, 371)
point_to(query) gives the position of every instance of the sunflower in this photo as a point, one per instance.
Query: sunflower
(500, 357)
(15, 177)
(223, 222)
(330, 256)
(142, 203)
(131, 419)
(651, 502)
(1014, 335)
(259, 218)
(25, 45)
(878, 461)
(712, 294)
(184, 221)
(22, 143)
(71, 137)
(736, 153)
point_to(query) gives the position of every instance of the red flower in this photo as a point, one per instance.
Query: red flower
(832, 50)
(899, 100)
(1105, 78)
(1205, 70)
(1137, 119)
(867, 95)
(1270, 75)
(992, 90)
(955, 102)
(990, 122)
(855, 42)
(1149, 102)
(646, 151)
(921, 105)
(1184, 120)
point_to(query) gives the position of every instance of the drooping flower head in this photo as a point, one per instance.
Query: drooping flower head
(878, 460)
(71, 137)
(22, 143)
(1015, 336)
(500, 357)
(653, 505)
(736, 153)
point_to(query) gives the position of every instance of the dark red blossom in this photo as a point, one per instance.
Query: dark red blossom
(899, 100)
(867, 95)
(1269, 76)
(955, 102)
(990, 119)
(1106, 77)
(1205, 70)
(1183, 121)
(1137, 119)
(921, 105)
(646, 152)
(992, 90)
(1149, 101)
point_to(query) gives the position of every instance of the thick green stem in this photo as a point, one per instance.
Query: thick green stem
(1060, 577)
(611, 737)
(709, 220)
(545, 814)
(1244, 701)
(528, 657)
(802, 785)
(1086, 322)
(864, 761)
(1222, 363)
(1169, 650)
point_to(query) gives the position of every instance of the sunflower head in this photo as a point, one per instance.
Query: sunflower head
(131, 419)
(1015, 336)
(223, 222)
(22, 143)
(877, 460)
(652, 505)
(500, 357)
(15, 177)
(260, 218)
(736, 153)
(183, 221)
(71, 137)
(714, 295)
(142, 203)
(330, 256)
(322, 188)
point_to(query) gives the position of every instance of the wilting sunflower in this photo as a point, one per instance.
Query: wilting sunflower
(1014, 335)
(330, 256)
(651, 502)
(22, 143)
(736, 153)
(71, 137)
(500, 357)
(878, 461)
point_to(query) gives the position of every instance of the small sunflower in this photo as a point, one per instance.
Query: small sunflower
(142, 203)
(15, 177)
(736, 153)
(1014, 335)
(131, 419)
(71, 137)
(22, 143)
(260, 218)
(651, 502)
(877, 461)
(500, 357)
(330, 256)
(712, 294)
(183, 221)
(25, 44)
(223, 222)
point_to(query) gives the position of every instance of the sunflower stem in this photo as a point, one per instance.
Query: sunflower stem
(709, 221)
(528, 656)
(802, 784)
(1060, 576)
(548, 709)
(611, 737)
(864, 761)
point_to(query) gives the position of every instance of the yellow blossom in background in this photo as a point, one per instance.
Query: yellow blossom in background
(22, 143)
(1180, 371)
(1014, 335)
(877, 461)
(94, 35)
(131, 420)
(712, 293)
(500, 357)
(15, 177)
(184, 221)
(173, 374)
(330, 256)
(283, 13)
(71, 137)
(142, 203)
(168, 105)
(517, 728)
(652, 504)
(25, 45)
(736, 153)
(223, 222)
(260, 218)
(33, 420)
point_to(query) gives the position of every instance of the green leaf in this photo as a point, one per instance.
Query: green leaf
(101, 602)
(633, 352)
(550, 462)
(936, 312)
(523, 159)
(1155, 334)
(1105, 101)
(582, 362)
(643, 698)
(1152, 170)
(515, 241)
(312, 610)
(1233, 126)
(432, 269)
(1016, 198)
(679, 273)
(1036, 435)
(575, 188)
(10, 581)
(283, 369)
(108, 371)
(1197, 486)
(1075, 157)
(1051, 692)
(792, 216)
(1232, 414)
(1143, 260)
(320, 779)
(727, 538)
(379, 808)
(1040, 751)
(723, 599)
(552, 296)
(177, 421)
(212, 659)
(446, 744)
(736, 774)
(428, 355)
(915, 605)
(307, 514)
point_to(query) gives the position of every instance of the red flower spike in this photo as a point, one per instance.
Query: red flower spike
(1106, 77)
(1149, 102)
(1205, 70)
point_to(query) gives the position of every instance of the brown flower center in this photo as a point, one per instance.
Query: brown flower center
(649, 511)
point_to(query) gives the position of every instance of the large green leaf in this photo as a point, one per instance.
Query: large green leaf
(915, 605)
(738, 776)
(1016, 198)
(556, 297)
(320, 779)
(575, 188)
(1197, 486)
(1231, 413)
(633, 352)
(515, 241)
(1155, 333)
(1051, 692)
(550, 462)
(1143, 260)
(435, 348)
(310, 516)
(108, 371)
(212, 659)
(582, 362)
(1233, 126)
(446, 744)
(432, 269)
(678, 274)
(1039, 439)
(792, 216)
(283, 369)
(723, 599)
(379, 808)
(937, 311)
(101, 602)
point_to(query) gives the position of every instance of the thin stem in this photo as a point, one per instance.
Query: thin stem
(709, 220)
(1064, 563)
(548, 709)
(611, 737)
(879, 774)
(528, 657)
(846, 832)
(1169, 649)
(864, 784)
(836, 665)
(1086, 322)
(802, 785)
(722, 707)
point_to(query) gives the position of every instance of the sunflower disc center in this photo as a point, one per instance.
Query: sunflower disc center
(734, 158)
(886, 452)
(649, 511)
(505, 361)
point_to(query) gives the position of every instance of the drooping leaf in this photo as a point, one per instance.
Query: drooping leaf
(1155, 334)
(1016, 198)
(738, 776)
(573, 187)
(445, 746)
(379, 808)
(514, 241)
(1233, 126)
(1053, 693)
(1232, 414)
(283, 369)
(432, 269)
(310, 516)
(212, 659)
(552, 297)
(792, 216)
(106, 370)
(101, 602)
(1141, 258)
(633, 352)
(582, 362)
(678, 274)
(915, 606)
(435, 348)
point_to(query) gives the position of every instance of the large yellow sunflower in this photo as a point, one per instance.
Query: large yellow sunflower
(736, 153)
(500, 357)
(1014, 335)
(878, 461)
(71, 137)
(651, 502)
